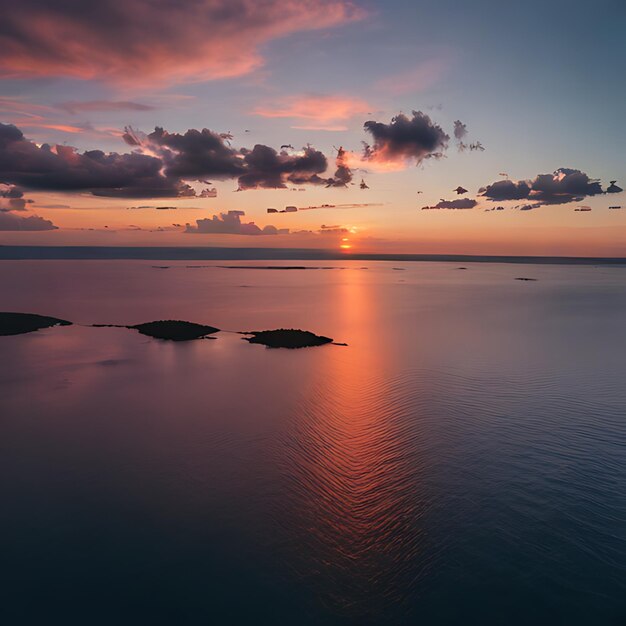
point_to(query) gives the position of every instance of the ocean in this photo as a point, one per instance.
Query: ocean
(461, 460)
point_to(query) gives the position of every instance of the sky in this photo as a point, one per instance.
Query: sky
(410, 127)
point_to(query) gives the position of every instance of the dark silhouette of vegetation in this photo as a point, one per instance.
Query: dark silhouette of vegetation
(19, 323)
(287, 338)
(174, 330)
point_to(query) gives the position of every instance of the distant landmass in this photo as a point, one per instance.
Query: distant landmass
(269, 254)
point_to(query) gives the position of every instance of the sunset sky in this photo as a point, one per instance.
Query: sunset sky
(163, 122)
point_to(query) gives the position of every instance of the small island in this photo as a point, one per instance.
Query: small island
(286, 338)
(527, 279)
(174, 330)
(20, 323)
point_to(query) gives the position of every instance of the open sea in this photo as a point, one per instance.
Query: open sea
(461, 461)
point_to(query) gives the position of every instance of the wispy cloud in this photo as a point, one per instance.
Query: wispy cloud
(90, 106)
(321, 112)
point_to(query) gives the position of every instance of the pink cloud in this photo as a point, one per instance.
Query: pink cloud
(322, 111)
(64, 128)
(151, 42)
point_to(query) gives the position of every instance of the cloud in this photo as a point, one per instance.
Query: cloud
(563, 186)
(404, 139)
(343, 173)
(613, 188)
(350, 205)
(63, 168)
(267, 169)
(230, 224)
(195, 154)
(461, 203)
(474, 146)
(162, 208)
(460, 130)
(163, 164)
(12, 198)
(321, 109)
(506, 190)
(151, 41)
(159, 165)
(9, 221)
(103, 105)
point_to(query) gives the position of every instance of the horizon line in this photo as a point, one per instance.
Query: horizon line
(215, 253)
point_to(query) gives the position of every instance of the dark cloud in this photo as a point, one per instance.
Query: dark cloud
(62, 168)
(461, 203)
(460, 190)
(506, 190)
(163, 164)
(193, 155)
(267, 169)
(9, 221)
(613, 188)
(230, 224)
(460, 130)
(197, 155)
(159, 165)
(350, 205)
(563, 186)
(343, 174)
(405, 139)
(12, 198)
(475, 146)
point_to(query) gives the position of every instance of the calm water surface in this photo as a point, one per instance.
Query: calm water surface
(463, 460)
